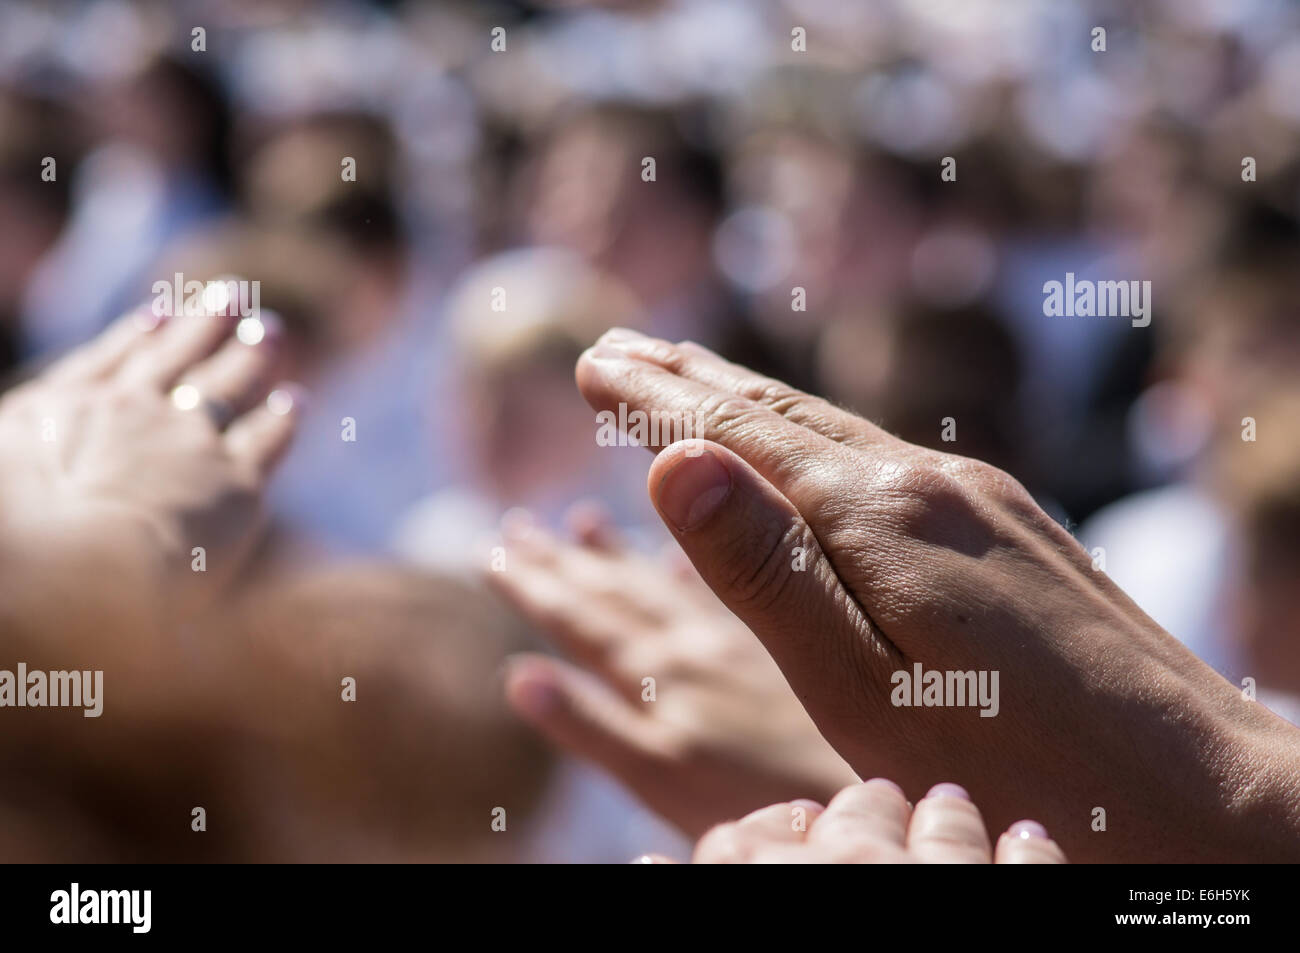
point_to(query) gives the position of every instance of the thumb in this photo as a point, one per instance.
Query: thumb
(760, 557)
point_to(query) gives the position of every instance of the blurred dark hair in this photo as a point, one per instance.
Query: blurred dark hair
(31, 128)
(647, 130)
(201, 99)
(363, 214)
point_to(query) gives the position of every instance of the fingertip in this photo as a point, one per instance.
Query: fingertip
(518, 524)
(1028, 842)
(949, 789)
(1024, 830)
(262, 435)
(883, 783)
(595, 374)
(620, 334)
(532, 688)
(591, 524)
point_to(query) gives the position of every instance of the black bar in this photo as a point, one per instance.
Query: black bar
(371, 903)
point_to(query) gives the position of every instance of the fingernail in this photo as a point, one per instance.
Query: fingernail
(1027, 829)
(948, 789)
(693, 490)
(605, 352)
(808, 804)
(536, 697)
(884, 781)
(148, 319)
(620, 335)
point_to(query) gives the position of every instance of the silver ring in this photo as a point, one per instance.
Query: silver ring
(188, 397)
(219, 411)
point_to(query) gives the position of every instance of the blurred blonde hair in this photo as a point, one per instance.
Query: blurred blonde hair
(555, 307)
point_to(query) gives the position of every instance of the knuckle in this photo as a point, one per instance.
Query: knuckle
(776, 395)
(786, 401)
(730, 413)
(551, 614)
(638, 658)
(955, 502)
(680, 750)
(956, 840)
(688, 752)
(698, 656)
(997, 491)
(921, 497)
(986, 479)
(116, 395)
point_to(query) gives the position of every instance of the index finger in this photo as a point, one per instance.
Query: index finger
(661, 408)
(697, 363)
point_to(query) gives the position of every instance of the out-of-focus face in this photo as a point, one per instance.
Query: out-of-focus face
(805, 180)
(577, 191)
(1269, 622)
(1236, 359)
(854, 361)
(808, 185)
(531, 434)
(850, 232)
(589, 198)
(1135, 189)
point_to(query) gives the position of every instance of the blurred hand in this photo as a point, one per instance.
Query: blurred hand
(723, 733)
(1128, 746)
(872, 823)
(105, 474)
(246, 717)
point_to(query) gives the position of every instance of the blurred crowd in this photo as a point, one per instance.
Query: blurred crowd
(797, 221)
